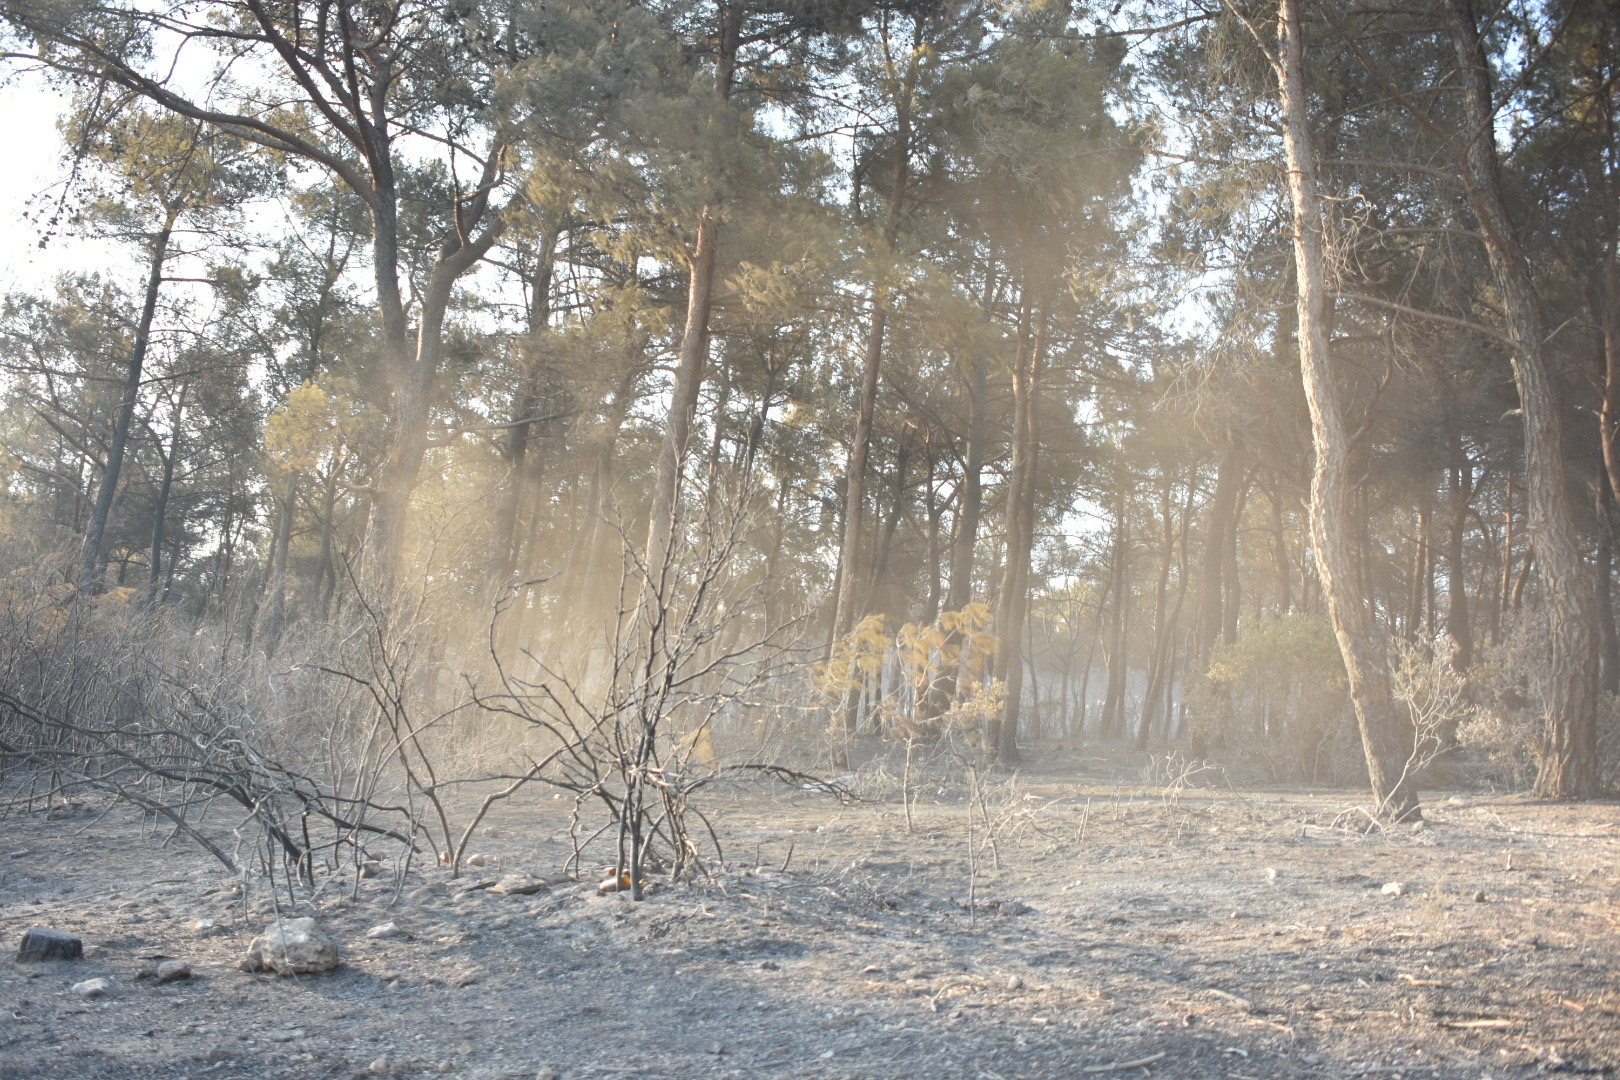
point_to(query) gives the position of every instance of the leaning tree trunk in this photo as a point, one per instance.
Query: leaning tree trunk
(694, 350)
(93, 556)
(1569, 747)
(1363, 642)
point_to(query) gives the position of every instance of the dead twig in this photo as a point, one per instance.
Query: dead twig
(1122, 1066)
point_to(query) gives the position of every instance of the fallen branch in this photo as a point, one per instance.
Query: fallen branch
(1121, 1066)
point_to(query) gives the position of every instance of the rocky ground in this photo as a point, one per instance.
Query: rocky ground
(1097, 925)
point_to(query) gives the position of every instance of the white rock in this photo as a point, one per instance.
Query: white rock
(173, 971)
(380, 1067)
(293, 947)
(519, 885)
(1394, 888)
(386, 930)
(92, 988)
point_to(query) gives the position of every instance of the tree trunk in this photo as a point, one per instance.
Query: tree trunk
(878, 586)
(160, 508)
(324, 581)
(1458, 625)
(848, 607)
(970, 503)
(1422, 564)
(1222, 512)
(503, 541)
(969, 508)
(1032, 340)
(1285, 576)
(1608, 636)
(1158, 660)
(1569, 749)
(93, 556)
(1361, 640)
(278, 571)
(1110, 723)
(694, 351)
(410, 373)
(1505, 602)
(585, 597)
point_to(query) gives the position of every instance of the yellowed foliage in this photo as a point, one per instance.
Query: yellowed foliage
(857, 655)
(698, 744)
(317, 421)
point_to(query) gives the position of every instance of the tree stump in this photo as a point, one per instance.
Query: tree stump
(43, 944)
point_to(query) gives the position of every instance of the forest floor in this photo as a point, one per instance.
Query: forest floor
(1112, 928)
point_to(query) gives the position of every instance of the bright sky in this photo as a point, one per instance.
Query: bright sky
(33, 166)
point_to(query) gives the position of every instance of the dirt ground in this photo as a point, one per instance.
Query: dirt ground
(1104, 926)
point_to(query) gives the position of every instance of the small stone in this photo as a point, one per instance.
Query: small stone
(464, 1049)
(371, 869)
(92, 988)
(446, 1066)
(283, 1036)
(1015, 983)
(1393, 888)
(385, 930)
(42, 943)
(1479, 896)
(380, 1067)
(204, 926)
(172, 971)
(293, 947)
(519, 885)
(1272, 874)
(546, 1073)
(478, 860)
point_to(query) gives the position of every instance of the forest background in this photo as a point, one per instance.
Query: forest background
(617, 395)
